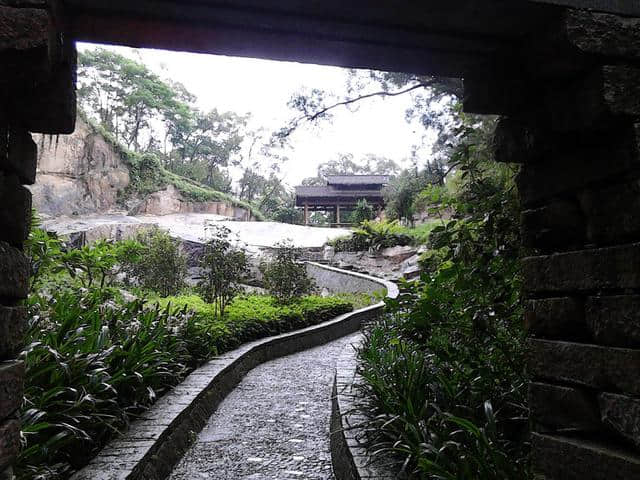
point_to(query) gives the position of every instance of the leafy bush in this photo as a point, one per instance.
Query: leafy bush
(373, 236)
(285, 277)
(92, 364)
(92, 263)
(224, 268)
(363, 212)
(43, 251)
(156, 261)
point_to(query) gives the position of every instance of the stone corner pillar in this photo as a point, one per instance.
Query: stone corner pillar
(574, 126)
(37, 94)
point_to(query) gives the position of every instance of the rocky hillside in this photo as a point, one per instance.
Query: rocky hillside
(85, 173)
(78, 174)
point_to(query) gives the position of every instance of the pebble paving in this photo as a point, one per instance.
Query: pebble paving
(274, 425)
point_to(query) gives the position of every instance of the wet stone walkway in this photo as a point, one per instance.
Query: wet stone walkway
(273, 426)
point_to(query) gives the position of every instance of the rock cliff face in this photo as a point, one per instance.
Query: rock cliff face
(170, 201)
(81, 174)
(78, 174)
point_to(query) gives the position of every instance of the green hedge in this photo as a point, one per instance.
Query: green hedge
(256, 316)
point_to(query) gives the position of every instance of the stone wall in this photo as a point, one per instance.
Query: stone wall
(37, 94)
(576, 135)
(335, 280)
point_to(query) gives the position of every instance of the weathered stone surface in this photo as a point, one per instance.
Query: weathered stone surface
(561, 458)
(11, 387)
(603, 33)
(25, 48)
(540, 181)
(23, 29)
(497, 95)
(588, 365)
(614, 320)
(595, 269)
(4, 141)
(622, 415)
(515, 142)
(22, 156)
(14, 272)
(554, 408)
(50, 107)
(15, 214)
(593, 101)
(9, 442)
(78, 173)
(555, 318)
(606, 221)
(12, 328)
(398, 254)
(7, 474)
(557, 225)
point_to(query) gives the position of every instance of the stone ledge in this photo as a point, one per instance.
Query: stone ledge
(12, 328)
(349, 455)
(14, 272)
(564, 458)
(155, 443)
(11, 387)
(584, 270)
(594, 366)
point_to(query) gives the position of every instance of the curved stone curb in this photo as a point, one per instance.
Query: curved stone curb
(349, 456)
(155, 443)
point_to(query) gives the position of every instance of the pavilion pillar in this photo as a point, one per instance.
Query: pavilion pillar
(338, 214)
(306, 213)
(577, 139)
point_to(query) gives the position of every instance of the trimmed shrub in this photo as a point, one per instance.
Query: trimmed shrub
(285, 277)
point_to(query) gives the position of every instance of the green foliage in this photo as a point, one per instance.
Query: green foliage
(363, 212)
(91, 263)
(373, 236)
(285, 277)
(444, 372)
(255, 316)
(156, 261)
(92, 364)
(287, 214)
(224, 268)
(43, 251)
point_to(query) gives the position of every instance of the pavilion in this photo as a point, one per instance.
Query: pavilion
(342, 192)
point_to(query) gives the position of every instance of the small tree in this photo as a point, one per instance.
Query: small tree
(363, 211)
(158, 263)
(224, 268)
(285, 277)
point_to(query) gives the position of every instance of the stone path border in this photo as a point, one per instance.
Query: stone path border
(154, 444)
(349, 455)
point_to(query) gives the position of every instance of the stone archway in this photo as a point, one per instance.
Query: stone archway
(566, 81)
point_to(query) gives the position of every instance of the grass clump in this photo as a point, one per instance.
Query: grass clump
(93, 363)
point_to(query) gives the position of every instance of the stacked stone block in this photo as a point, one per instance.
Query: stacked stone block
(37, 94)
(577, 138)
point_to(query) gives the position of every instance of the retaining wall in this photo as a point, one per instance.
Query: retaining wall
(335, 280)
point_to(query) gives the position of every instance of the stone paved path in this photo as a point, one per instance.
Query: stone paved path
(273, 426)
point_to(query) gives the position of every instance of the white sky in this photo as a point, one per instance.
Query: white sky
(263, 87)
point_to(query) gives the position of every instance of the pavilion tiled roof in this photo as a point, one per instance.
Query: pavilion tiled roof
(326, 191)
(358, 179)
